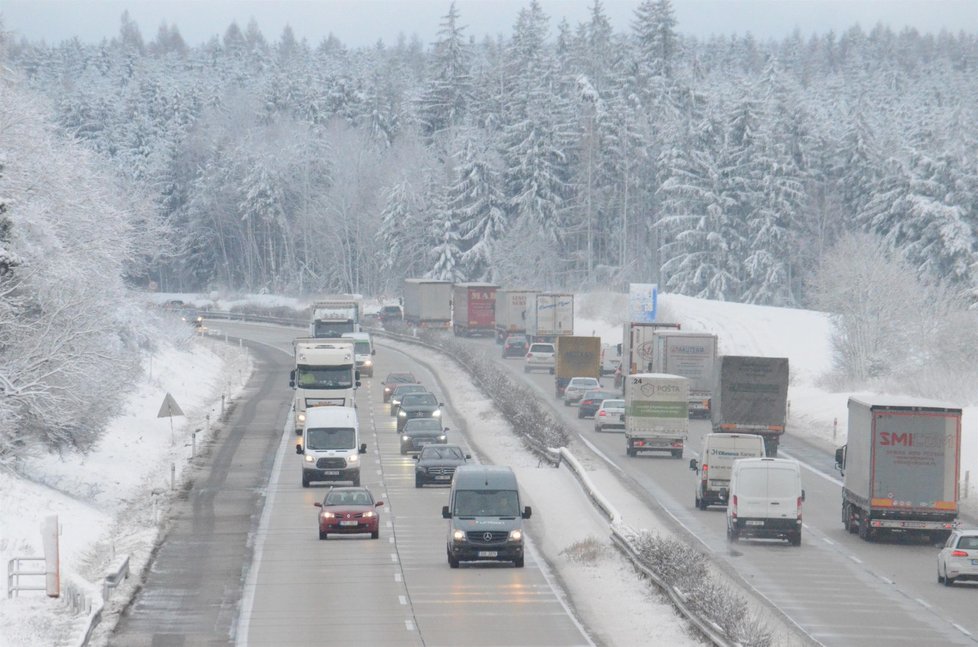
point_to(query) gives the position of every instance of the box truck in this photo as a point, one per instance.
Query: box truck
(656, 413)
(511, 312)
(575, 357)
(638, 345)
(692, 355)
(428, 303)
(332, 317)
(750, 396)
(548, 316)
(474, 309)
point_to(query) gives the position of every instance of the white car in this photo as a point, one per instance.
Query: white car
(575, 389)
(958, 560)
(539, 357)
(608, 415)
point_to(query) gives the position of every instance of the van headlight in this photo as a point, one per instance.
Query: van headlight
(458, 536)
(405, 438)
(310, 459)
(436, 413)
(516, 535)
(443, 437)
(368, 362)
(352, 458)
(301, 417)
(401, 414)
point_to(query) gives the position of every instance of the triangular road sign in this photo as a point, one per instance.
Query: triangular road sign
(170, 408)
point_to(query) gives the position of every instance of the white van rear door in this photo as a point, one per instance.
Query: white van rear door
(783, 492)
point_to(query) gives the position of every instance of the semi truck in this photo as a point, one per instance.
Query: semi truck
(428, 303)
(575, 357)
(324, 375)
(750, 396)
(656, 413)
(511, 308)
(692, 355)
(474, 309)
(549, 315)
(333, 317)
(900, 466)
(638, 345)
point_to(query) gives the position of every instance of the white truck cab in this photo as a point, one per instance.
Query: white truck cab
(330, 446)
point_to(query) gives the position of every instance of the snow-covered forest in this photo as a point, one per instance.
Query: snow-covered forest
(570, 158)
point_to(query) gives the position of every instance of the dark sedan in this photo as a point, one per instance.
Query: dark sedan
(417, 405)
(400, 391)
(437, 463)
(419, 432)
(393, 379)
(515, 346)
(349, 510)
(591, 401)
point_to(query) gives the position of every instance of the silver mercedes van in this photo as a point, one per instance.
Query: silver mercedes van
(485, 516)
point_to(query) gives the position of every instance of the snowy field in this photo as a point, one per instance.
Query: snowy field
(109, 502)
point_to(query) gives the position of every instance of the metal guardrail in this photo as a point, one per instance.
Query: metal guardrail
(17, 568)
(115, 576)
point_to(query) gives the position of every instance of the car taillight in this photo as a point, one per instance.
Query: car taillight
(733, 506)
(959, 553)
(705, 468)
(529, 354)
(799, 507)
(602, 413)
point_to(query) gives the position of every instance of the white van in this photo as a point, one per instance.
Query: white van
(363, 352)
(330, 447)
(765, 500)
(713, 468)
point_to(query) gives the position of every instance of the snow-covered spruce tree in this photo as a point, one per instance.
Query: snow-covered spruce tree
(447, 96)
(655, 34)
(70, 336)
(477, 202)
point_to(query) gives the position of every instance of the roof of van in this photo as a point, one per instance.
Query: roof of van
(741, 463)
(331, 417)
(494, 477)
(365, 336)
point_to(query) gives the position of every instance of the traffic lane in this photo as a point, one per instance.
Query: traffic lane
(814, 604)
(479, 603)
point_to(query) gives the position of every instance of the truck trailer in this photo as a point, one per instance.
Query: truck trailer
(638, 345)
(428, 303)
(549, 315)
(474, 309)
(750, 396)
(656, 413)
(692, 355)
(575, 357)
(900, 466)
(511, 308)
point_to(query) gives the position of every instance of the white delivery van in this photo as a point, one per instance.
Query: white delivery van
(713, 469)
(765, 500)
(363, 352)
(330, 447)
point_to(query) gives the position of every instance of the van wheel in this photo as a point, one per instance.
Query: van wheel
(518, 562)
(452, 562)
(305, 480)
(795, 539)
(732, 535)
(356, 480)
(702, 504)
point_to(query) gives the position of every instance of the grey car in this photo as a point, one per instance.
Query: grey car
(417, 405)
(419, 432)
(436, 464)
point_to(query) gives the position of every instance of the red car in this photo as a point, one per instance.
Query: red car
(349, 510)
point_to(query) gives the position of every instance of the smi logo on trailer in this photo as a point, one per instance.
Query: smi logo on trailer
(907, 439)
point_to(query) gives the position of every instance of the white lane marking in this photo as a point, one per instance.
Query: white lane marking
(828, 541)
(922, 603)
(394, 557)
(855, 559)
(397, 577)
(886, 579)
(409, 625)
(830, 479)
(390, 540)
(402, 599)
(961, 629)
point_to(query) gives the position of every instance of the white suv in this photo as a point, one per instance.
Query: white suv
(540, 356)
(577, 386)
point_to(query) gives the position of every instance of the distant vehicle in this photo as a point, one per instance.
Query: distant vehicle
(638, 346)
(474, 309)
(958, 559)
(765, 500)
(716, 460)
(349, 510)
(609, 414)
(334, 316)
(389, 314)
(692, 355)
(588, 405)
(610, 358)
(418, 405)
(539, 357)
(428, 303)
(437, 464)
(656, 413)
(393, 379)
(549, 316)
(511, 312)
(751, 397)
(577, 356)
(515, 346)
(363, 351)
(485, 516)
(900, 467)
(417, 433)
(577, 387)
(400, 391)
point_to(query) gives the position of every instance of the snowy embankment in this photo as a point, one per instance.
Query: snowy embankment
(111, 501)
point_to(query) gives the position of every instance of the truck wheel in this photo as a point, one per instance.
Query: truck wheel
(630, 451)
(865, 533)
(677, 453)
(702, 504)
(795, 539)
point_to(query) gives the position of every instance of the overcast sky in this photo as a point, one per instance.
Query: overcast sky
(364, 22)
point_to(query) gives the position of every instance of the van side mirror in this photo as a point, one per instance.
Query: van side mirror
(445, 513)
(840, 459)
(693, 465)
(292, 378)
(468, 457)
(298, 448)
(527, 512)
(417, 457)
(363, 448)
(358, 381)
(373, 351)
(379, 503)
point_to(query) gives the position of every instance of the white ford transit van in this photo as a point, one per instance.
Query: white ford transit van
(716, 459)
(330, 446)
(765, 500)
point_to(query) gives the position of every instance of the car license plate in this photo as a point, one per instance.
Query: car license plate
(753, 522)
(348, 523)
(442, 477)
(488, 553)
(331, 472)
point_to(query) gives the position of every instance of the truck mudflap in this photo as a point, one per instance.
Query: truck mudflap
(699, 406)
(635, 444)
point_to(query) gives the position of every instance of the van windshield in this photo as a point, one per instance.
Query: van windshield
(361, 348)
(486, 503)
(766, 482)
(332, 438)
